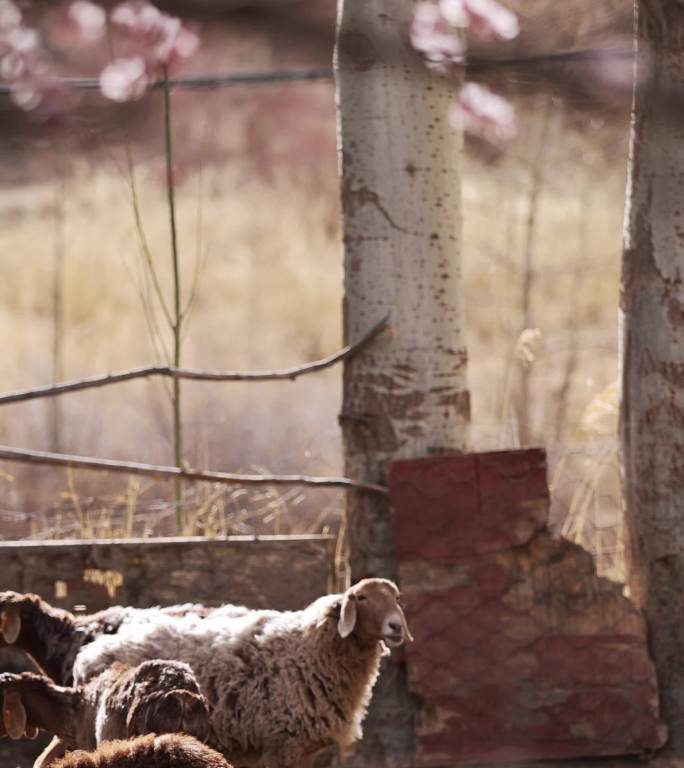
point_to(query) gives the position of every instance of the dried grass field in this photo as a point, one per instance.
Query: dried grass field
(261, 255)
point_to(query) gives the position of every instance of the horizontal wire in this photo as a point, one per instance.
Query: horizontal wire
(207, 81)
(473, 63)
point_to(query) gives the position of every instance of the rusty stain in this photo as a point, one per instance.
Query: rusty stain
(110, 580)
(356, 198)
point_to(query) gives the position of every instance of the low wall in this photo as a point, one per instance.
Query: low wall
(282, 572)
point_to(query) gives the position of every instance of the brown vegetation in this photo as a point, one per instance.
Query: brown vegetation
(257, 196)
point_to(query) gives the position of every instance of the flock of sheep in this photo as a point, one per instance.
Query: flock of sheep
(194, 687)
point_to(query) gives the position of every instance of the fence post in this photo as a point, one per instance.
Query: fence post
(405, 395)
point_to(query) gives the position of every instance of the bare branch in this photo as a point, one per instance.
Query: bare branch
(142, 237)
(134, 468)
(170, 371)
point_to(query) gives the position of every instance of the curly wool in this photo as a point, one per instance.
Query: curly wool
(280, 686)
(53, 637)
(169, 751)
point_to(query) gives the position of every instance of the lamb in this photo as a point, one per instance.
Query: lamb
(168, 751)
(154, 697)
(280, 686)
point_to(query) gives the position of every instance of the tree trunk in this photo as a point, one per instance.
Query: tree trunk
(652, 306)
(406, 395)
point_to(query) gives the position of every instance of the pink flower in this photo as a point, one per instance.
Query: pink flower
(482, 113)
(89, 19)
(10, 15)
(432, 35)
(157, 40)
(163, 38)
(124, 79)
(24, 65)
(490, 20)
(434, 28)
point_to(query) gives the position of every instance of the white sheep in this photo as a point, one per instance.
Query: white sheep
(280, 686)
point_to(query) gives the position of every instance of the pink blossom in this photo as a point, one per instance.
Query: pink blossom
(486, 19)
(454, 12)
(10, 15)
(89, 19)
(482, 113)
(155, 40)
(124, 79)
(163, 38)
(432, 35)
(24, 65)
(434, 31)
(490, 20)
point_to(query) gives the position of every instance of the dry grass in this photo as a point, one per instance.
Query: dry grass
(269, 294)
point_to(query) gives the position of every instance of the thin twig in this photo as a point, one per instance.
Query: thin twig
(134, 468)
(142, 237)
(177, 311)
(529, 275)
(169, 371)
(58, 259)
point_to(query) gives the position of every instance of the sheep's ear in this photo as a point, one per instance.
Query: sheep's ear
(10, 624)
(347, 622)
(404, 624)
(13, 715)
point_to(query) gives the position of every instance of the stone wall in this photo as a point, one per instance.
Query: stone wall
(280, 572)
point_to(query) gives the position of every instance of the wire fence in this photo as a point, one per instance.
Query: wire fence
(604, 539)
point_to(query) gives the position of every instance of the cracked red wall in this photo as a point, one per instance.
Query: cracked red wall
(521, 651)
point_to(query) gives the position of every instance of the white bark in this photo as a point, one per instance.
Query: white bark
(406, 395)
(652, 345)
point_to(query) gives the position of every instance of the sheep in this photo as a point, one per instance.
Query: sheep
(154, 697)
(281, 686)
(52, 637)
(168, 751)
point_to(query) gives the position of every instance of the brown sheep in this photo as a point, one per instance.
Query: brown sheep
(154, 697)
(168, 751)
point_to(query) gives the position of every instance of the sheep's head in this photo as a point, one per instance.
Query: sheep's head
(371, 611)
(166, 698)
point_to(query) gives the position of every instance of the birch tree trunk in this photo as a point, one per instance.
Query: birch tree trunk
(652, 306)
(406, 395)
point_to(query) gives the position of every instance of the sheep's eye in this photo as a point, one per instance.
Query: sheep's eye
(361, 598)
